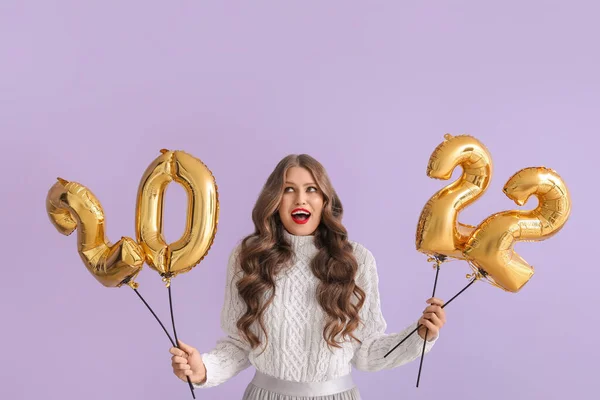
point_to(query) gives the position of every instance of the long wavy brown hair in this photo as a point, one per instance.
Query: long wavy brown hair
(265, 252)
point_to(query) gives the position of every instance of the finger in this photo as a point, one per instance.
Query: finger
(426, 318)
(182, 374)
(439, 311)
(429, 325)
(441, 315)
(177, 352)
(179, 360)
(181, 367)
(435, 301)
(185, 347)
(188, 372)
(433, 308)
(434, 318)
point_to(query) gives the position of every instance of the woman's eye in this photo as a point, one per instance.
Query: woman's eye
(288, 189)
(312, 189)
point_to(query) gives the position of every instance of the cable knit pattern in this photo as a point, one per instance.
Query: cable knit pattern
(296, 350)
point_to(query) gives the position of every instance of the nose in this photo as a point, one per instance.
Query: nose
(300, 199)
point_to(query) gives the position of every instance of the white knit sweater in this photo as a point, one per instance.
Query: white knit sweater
(296, 349)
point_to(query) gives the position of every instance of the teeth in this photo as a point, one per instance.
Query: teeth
(300, 213)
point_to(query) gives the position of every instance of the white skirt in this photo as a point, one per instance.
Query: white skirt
(265, 387)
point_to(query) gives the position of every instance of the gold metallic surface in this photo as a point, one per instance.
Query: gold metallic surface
(71, 206)
(491, 246)
(438, 230)
(201, 220)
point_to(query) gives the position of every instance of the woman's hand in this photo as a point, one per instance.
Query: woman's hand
(433, 318)
(187, 362)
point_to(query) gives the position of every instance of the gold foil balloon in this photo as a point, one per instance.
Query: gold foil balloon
(202, 216)
(71, 206)
(491, 246)
(438, 231)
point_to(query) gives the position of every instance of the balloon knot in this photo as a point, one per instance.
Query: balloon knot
(133, 285)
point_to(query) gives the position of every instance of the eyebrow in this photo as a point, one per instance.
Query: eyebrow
(306, 184)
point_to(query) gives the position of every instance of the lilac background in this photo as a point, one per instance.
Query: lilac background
(90, 91)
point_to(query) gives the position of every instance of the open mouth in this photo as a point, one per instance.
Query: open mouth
(300, 215)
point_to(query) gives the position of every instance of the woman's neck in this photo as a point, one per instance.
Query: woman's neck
(296, 240)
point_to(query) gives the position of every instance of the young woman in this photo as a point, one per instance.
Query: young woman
(301, 300)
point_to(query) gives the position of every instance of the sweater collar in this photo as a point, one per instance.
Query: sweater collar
(297, 241)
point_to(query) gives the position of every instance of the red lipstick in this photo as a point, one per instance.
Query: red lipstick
(300, 215)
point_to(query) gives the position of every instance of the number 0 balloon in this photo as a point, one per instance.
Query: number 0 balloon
(202, 215)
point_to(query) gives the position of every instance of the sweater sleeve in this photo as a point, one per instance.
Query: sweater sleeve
(230, 356)
(375, 342)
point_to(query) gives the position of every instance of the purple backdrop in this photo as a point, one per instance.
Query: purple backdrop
(91, 92)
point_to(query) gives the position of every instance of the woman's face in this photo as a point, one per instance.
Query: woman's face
(302, 202)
